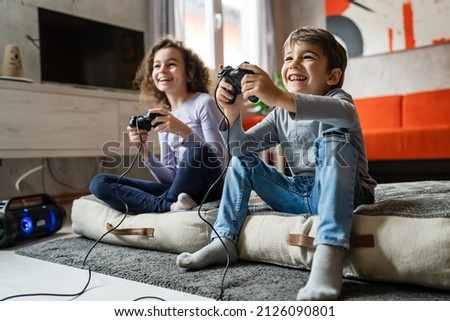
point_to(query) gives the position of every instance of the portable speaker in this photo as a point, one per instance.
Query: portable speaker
(29, 216)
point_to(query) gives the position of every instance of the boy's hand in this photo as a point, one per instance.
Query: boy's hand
(223, 96)
(261, 85)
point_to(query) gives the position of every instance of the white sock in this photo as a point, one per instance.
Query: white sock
(184, 202)
(325, 280)
(213, 253)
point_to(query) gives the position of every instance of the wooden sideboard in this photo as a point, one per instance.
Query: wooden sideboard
(51, 120)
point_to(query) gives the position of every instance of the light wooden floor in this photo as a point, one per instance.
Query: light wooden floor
(21, 275)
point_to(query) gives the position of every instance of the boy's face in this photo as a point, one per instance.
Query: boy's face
(305, 70)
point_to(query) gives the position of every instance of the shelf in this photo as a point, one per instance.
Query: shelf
(43, 120)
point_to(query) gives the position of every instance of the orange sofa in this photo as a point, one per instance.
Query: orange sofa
(407, 137)
(406, 127)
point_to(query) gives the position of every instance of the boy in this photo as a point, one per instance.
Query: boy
(317, 125)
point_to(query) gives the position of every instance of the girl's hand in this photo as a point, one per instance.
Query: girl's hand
(166, 122)
(138, 139)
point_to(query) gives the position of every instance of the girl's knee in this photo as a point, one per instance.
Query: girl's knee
(98, 183)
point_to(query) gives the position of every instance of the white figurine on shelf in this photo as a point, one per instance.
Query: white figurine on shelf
(12, 63)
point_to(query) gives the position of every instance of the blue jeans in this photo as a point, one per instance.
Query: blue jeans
(196, 173)
(332, 193)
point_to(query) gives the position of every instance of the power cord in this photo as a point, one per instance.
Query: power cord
(25, 175)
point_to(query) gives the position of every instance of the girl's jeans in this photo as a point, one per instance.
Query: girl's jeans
(332, 193)
(196, 173)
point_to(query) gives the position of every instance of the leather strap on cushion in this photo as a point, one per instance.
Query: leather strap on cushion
(366, 240)
(144, 231)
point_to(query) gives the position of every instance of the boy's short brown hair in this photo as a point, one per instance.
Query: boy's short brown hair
(333, 50)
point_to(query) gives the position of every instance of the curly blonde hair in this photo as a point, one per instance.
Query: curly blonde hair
(197, 75)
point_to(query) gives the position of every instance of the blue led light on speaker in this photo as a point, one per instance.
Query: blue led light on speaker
(26, 224)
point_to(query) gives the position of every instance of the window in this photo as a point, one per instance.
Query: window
(223, 31)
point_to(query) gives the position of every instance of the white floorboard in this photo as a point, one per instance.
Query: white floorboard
(22, 275)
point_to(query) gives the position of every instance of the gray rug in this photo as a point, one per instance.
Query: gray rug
(245, 281)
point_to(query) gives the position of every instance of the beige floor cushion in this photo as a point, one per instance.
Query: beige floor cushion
(403, 237)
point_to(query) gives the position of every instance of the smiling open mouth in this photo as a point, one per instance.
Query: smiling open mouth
(296, 78)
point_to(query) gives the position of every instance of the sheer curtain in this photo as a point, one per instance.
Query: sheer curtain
(259, 38)
(161, 19)
(267, 50)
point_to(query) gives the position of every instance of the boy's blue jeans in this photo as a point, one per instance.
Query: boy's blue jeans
(332, 193)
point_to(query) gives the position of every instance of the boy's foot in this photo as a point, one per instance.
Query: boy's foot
(325, 280)
(184, 203)
(213, 253)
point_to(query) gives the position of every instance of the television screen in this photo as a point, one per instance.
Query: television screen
(75, 50)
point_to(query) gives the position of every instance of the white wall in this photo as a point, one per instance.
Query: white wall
(420, 69)
(401, 72)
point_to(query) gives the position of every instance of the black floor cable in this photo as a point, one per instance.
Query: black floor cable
(227, 121)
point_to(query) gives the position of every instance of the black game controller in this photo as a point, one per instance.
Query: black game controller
(144, 122)
(234, 76)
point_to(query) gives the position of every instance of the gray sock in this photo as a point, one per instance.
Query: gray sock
(184, 202)
(325, 280)
(213, 253)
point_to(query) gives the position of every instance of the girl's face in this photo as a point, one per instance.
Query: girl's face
(305, 70)
(169, 71)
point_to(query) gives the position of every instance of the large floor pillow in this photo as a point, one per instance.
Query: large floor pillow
(171, 232)
(403, 237)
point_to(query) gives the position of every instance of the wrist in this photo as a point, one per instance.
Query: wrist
(186, 132)
(144, 153)
(232, 116)
(285, 101)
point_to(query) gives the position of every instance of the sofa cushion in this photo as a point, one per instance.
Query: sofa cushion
(408, 143)
(251, 121)
(380, 112)
(426, 109)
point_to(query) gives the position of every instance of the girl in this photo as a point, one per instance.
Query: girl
(192, 150)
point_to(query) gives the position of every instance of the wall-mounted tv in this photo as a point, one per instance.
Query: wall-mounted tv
(75, 50)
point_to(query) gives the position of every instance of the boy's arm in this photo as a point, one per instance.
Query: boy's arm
(335, 108)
